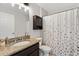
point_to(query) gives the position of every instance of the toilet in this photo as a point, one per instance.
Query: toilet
(44, 50)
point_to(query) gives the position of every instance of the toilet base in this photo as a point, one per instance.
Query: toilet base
(43, 54)
(44, 51)
(46, 54)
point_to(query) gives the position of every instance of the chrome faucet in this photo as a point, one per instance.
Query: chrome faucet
(6, 40)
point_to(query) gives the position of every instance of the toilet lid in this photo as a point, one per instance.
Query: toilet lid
(43, 47)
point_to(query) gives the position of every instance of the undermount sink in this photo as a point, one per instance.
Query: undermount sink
(21, 43)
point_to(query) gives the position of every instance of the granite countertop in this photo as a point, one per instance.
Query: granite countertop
(7, 51)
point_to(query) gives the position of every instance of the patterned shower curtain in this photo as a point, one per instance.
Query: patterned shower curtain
(61, 33)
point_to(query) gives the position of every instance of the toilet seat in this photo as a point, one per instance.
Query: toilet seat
(45, 48)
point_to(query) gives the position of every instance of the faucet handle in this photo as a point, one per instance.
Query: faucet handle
(25, 33)
(6, 41)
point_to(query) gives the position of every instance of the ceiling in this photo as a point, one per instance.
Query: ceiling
(52, 8)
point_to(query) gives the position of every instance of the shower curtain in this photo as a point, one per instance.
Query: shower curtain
(61, 33)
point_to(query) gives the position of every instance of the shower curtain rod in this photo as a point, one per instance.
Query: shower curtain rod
(62, 11)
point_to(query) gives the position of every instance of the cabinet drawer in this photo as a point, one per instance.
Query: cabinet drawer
(35, 53)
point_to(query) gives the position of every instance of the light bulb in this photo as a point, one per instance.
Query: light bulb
(25, 9)
(19, 6)
(13, 4)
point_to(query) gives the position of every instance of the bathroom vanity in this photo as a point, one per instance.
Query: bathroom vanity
(30, 51)
(30, 47)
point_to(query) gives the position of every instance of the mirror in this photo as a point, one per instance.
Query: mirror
(13, 20)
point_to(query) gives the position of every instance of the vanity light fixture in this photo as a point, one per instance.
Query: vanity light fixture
(21, 5)
(26, 5)
(26, 8)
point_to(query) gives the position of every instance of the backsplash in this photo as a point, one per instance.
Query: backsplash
(11, 41)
